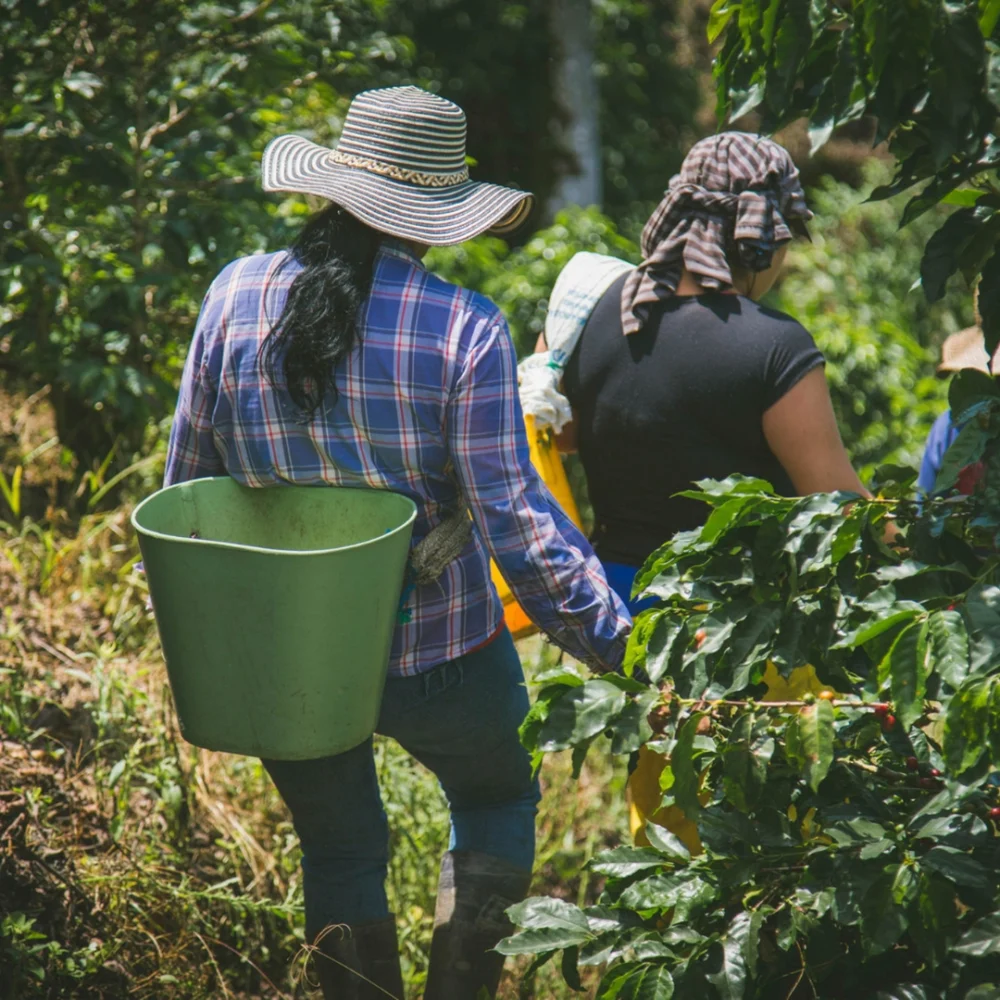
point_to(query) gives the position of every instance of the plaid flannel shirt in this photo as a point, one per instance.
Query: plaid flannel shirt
(427, 406)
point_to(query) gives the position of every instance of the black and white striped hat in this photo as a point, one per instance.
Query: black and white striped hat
(400, 168)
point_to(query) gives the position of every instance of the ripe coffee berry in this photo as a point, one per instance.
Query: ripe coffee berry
(912, 763)
(888, 721)
(995, 812)
(970, 477)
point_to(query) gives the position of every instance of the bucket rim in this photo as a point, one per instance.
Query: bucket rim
(298, 553)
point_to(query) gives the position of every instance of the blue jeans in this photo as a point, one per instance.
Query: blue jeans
(460, 720)
(621, 576)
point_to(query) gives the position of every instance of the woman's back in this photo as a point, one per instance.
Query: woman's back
(424, 404)
(678, 401)
(385, 425)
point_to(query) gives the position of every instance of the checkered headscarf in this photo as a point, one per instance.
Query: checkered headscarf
(733, 188)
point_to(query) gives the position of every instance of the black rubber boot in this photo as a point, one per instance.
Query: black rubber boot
(473, 892)
(368, 949)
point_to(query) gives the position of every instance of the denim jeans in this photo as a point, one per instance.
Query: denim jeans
(460, 720)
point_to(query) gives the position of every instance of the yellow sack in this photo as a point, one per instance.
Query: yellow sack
(644, 793)
(545, 458)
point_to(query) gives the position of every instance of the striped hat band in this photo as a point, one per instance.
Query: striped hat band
(401, 151)
(422, 178)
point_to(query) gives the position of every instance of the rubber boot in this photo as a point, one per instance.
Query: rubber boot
(474, 892)
(368, 949)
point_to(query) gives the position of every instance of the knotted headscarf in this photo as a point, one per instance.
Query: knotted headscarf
(731, 187)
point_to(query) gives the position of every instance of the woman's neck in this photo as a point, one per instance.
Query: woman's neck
(690, 285)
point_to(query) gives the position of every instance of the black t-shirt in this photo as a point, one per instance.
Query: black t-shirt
(680, 400)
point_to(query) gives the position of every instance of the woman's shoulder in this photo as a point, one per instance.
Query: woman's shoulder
(775, 318)
(463, 303)
(773, 326)
(254, 268)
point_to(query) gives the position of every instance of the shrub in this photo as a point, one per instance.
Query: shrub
(850, 840)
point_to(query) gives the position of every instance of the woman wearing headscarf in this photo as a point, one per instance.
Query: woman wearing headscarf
(675, 372)
(678, 373)
(344, 362)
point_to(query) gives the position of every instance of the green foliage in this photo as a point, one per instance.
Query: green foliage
(131, 136)
(850, 840)
(926, 70)
(647, 105)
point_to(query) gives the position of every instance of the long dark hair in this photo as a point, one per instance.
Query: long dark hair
(319, 325)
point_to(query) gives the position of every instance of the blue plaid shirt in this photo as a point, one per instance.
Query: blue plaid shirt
(427, 406)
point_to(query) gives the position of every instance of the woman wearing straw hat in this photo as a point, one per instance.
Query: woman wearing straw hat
(344, 362)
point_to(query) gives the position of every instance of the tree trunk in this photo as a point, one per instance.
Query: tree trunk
(575, 87)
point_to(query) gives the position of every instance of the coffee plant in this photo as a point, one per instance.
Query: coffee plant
(849, 839)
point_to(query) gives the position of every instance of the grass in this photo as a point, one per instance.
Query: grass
(134, 865)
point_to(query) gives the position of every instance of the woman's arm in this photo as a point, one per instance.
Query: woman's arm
(191, 451)
(542, 555)
(801, 430)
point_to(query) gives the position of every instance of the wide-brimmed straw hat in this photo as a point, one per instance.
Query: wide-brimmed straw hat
(399, 167)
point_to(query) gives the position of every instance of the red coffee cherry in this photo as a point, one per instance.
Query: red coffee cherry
(969, 477)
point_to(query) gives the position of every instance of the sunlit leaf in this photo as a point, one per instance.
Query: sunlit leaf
(666, 842)
(983, 938)
(545, 925)
(810, 741)
(622, 862)
(579, 714)
(907, 669)
(686, 775)
(731, 978)
(949, 646)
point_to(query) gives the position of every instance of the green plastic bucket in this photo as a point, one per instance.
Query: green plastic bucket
(276, 609)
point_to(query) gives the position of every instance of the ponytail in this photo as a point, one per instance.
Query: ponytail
(319, 324)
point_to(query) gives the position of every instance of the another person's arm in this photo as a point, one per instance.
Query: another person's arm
(543, 556)
(802, 431)
(938, 442)
(566, 438)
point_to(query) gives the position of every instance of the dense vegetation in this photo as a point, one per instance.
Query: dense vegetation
(848, 834)
(132, 865)
(847, 828)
